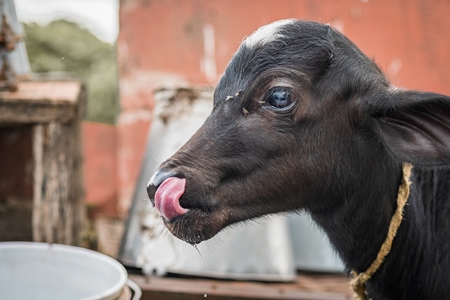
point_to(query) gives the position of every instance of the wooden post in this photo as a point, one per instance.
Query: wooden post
(57, 209)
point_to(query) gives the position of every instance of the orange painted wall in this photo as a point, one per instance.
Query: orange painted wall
(169, 42)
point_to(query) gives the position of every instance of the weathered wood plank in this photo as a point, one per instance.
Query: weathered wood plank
(16, 183)
(176, 288)
(40, 102)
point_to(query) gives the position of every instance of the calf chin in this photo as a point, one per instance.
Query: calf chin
(196, 226)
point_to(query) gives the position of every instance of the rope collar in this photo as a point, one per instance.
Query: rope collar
(358, 282)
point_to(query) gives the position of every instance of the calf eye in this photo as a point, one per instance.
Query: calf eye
(280, 97)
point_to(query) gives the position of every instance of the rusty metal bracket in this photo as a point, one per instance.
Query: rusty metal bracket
(14, 65)
(8, 78)
(8, 38)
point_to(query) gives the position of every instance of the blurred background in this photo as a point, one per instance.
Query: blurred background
(126, 51)
(165, 42)
(168, 42)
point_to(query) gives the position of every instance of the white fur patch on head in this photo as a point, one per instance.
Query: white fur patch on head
(266, 33)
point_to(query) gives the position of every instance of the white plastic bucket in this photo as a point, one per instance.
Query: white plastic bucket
(49, 271)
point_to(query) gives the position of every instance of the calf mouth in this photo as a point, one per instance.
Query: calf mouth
(189, 220)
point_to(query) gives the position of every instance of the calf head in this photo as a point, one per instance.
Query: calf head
(300, 116)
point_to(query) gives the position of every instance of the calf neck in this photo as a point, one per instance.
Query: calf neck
(304, 121)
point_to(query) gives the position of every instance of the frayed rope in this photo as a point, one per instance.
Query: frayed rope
(358, 283)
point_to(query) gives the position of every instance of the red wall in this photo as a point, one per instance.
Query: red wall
(100, 167)
(407, 38)
(169, 42)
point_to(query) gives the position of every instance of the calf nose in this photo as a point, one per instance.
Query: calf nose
(158, 177)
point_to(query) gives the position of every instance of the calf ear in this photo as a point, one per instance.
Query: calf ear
(415, 126)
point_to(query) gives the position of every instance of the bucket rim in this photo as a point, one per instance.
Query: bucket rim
(110, 293)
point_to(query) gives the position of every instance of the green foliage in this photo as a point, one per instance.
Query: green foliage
(63, 46)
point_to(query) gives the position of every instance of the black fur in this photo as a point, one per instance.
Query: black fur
(335, 153)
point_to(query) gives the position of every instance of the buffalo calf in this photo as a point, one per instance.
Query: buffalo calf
(304, 121)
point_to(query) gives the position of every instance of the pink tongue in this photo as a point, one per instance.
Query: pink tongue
(167, 197)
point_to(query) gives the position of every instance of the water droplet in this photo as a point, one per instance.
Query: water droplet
(205, 295)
